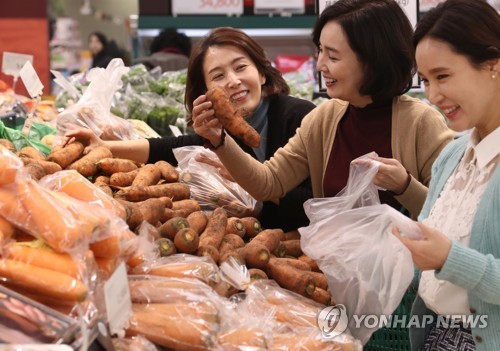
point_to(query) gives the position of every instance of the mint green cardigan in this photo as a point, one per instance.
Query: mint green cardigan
(475, 268)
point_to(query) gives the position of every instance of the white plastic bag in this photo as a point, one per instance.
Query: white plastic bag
(367, 268)
(209, 188)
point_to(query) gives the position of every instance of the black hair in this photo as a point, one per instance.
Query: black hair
(170, 38)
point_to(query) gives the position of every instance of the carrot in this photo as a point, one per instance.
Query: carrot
(35, 171)
(197, 221)
(210, 251)
(53, 222)
(235, 226)
(106, 189)
(172, 226)
(270, 238)
(112, 246)
(48, 166)
(319, 280)
(152, 210)
(252, 226)
(256, 255)
(167, 171)
(101, 179)
(231, 242)
(243, 336)
(292, 248)
(147, 175)
(294, 263)
(225, 289)
(256, 274)
(231, 118)
(111, 165)
(291, 278)
(67, 155)
(31, 152)
(12, 209)
(292, 235)
(45, 281)
(8, 145)
(123, 179)
(237, 209)
(176, 191)
(167, 202)
(215, 230)
(186, 207)
(312, 264)
(236, 254)
(186, 241)
(176, 326)
(322, 296)
(107, 265)
(42, 257)
(166, 247)
(9, 165)
(202, 270)
(87, 165)
(280, 251)
(151, 289)
(6, 230)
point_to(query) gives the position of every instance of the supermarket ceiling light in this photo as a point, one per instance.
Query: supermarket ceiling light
(86, 9)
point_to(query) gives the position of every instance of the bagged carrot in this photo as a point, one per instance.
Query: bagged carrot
(10, 164)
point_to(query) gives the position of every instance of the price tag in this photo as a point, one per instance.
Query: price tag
(12, 62)
(207, 7)
(175, 130)
(117, 299)
(30, 79)
(279, 6)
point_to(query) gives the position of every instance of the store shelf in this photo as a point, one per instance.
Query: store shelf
(153, 22)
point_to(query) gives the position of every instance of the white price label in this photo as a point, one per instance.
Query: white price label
(207, 7)
(290, 6)
(30, 79)
(13, 62)
(175, 130)
(117, 298)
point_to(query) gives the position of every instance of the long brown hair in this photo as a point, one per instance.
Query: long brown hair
(196, 85)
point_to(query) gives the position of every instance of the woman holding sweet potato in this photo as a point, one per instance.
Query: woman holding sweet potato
(230, 59)
(366, 60)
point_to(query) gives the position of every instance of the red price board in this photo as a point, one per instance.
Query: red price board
(207, 7)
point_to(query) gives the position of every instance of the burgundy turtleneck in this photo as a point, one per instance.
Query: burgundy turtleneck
(360, 131)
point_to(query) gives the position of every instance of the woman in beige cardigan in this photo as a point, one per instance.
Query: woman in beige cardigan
(366, 59)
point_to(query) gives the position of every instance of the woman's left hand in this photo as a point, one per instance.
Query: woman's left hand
(431, 251)
(391, 175)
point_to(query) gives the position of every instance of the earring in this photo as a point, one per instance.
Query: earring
(494, 74)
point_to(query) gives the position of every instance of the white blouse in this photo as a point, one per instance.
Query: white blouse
(453, 214)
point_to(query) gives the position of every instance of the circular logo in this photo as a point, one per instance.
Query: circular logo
(332, 321)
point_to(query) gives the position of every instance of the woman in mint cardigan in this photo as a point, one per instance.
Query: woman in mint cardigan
(458, 58)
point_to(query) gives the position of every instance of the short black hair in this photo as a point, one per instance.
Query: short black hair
(471, 28)
(171, 38)
(379, 33)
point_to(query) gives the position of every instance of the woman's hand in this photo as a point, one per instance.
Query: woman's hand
(391, 175)
(204, 122)
(219, 166)
(84, 136)
(431, 251)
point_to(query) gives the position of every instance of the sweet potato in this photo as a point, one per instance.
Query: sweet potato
(31, 152)
(252, 226)
(87, 165)
(215, 230)
(292, 248)
(167, 171)
(312, 264)
(235, 226)
(147, 175)
(45, 281)
(110, 165)
(197, 221)
(123, 179)
(67, 155)
(186, 241)
(172, 226)
(176, 191)
(186, 207)
(231, 118)
(291, 278)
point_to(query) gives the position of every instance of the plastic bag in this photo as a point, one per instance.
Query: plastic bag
(367, 268)
(93, 109)
(37, 131)
(209, 188)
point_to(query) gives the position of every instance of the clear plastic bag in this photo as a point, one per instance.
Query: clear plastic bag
(367, 268)
(209, 188)
(93, 109)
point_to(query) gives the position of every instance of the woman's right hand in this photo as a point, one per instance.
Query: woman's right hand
(84, 136)
(205, 123)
